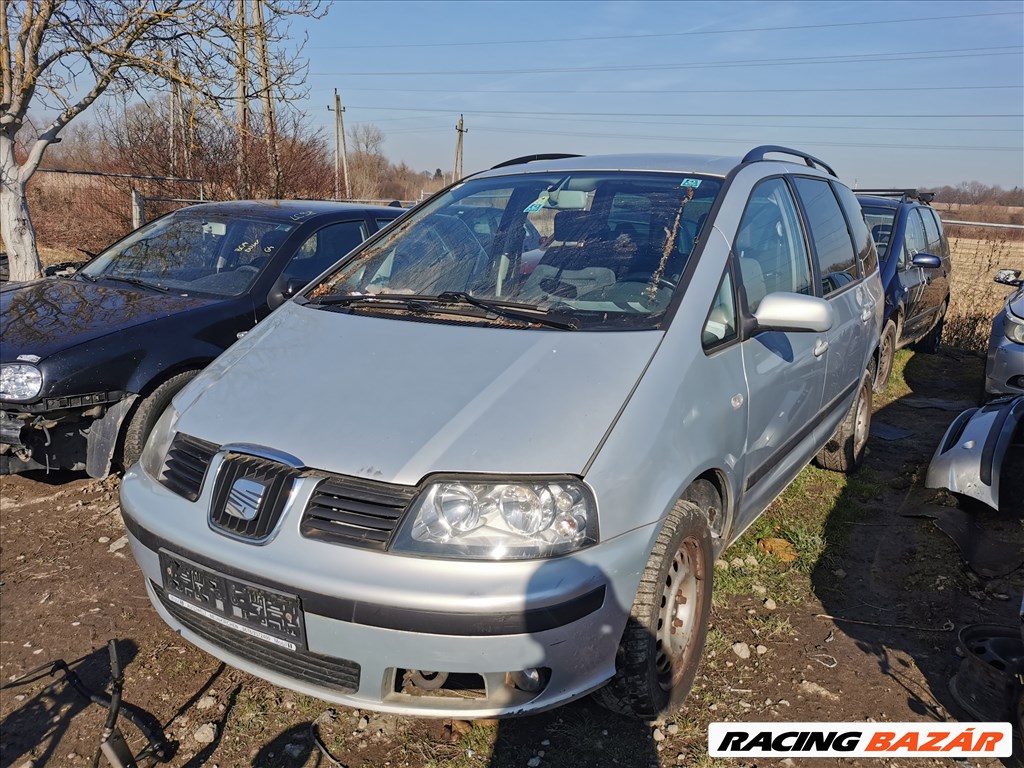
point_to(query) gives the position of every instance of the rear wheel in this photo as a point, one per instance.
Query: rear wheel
(661, 646)
(146, 413)
(844, 451)
(886, 355)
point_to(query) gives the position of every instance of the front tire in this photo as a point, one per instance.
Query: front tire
(844, 452)
(142, 421)
(661, 646)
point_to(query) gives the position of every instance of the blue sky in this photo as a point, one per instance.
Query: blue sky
(940, 100)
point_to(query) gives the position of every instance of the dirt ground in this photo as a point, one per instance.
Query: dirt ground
(861, 626)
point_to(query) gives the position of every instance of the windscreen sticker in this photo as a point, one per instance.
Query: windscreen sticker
(690, 183)
(539, 203)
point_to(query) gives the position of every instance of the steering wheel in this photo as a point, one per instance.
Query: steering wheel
(247, 268)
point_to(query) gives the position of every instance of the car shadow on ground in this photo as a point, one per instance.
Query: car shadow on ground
(895, 583)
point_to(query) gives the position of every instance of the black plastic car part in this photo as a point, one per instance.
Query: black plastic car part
(758, 153)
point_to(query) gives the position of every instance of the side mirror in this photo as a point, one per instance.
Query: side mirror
(282, 292)
(1009, 277)
(928, 260)
(794, 312)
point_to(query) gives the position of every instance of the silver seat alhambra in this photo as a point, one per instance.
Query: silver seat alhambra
(483, 466)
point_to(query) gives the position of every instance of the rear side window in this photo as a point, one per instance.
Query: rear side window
(831, 238)
(931, 230)
(863, 242)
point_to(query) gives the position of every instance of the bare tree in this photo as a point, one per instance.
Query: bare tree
(62, 55)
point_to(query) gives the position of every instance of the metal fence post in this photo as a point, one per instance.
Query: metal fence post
(138, 209)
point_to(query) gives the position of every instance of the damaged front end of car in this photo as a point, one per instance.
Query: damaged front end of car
(73, 433)
(971, 455)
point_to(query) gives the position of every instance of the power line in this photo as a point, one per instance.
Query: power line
(534, 91)
(691, 33)
(755, 141)
(872, 116)
(948, 53)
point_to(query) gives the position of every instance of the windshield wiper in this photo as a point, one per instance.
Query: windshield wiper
(135, 281)
(510, 310)
(524, 313)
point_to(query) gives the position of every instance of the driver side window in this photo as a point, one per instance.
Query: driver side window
(769, 247)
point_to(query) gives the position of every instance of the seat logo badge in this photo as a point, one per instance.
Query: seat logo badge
(244, 498)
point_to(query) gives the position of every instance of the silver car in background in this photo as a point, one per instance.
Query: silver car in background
(1004, 364)
(457, 477)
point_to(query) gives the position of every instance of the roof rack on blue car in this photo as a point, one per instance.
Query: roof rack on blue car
(758, 153)
(903, 194)
(532, 159)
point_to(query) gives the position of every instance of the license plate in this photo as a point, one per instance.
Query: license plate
(266, 614)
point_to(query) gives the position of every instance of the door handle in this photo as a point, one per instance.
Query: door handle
(820, 347)
(866, 315)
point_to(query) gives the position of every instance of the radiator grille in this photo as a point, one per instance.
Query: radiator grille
(185, 465)
(325, 671)
(355, 512)
(249, 496)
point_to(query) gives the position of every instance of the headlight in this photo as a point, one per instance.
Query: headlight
(1013, 328)
(159, 441)
(515, 520)
(19, 382)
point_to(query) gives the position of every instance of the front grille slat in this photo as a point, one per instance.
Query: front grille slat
(355, 512)
(185, 465)
(337, 674)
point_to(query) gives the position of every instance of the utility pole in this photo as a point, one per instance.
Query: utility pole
(457, 170)
(340, 150)
(266, 93)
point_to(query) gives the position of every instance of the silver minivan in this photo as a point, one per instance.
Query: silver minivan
(483, 467)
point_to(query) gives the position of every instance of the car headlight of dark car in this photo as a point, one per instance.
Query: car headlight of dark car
(500, 519)
(20, 382)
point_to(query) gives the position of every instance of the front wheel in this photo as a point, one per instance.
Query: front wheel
(146, 413)
(661, 646)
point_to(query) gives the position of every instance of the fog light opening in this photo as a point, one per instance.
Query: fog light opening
(528, 680)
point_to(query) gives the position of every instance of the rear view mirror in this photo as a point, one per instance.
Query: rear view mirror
(1009, 277)
(928, 260)
(293, 286)
(794, 312)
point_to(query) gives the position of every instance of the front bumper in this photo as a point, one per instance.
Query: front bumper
(970, 456)
(1004, 363)
(377, 617)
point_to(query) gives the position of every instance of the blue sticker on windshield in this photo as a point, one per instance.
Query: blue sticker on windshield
(539, 203)
(690, 183)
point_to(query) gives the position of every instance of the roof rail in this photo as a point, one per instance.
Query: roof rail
(532, 159)
(903, 194)
(758, 153)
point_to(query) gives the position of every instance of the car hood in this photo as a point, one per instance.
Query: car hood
(46, 316)
(396, 400)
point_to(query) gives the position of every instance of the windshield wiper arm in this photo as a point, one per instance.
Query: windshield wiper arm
(512, 311)
(136, 281)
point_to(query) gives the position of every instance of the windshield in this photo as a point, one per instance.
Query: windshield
(880, 222)
(186, 251)
(588, 250)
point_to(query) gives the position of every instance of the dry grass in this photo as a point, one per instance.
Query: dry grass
(974, 298)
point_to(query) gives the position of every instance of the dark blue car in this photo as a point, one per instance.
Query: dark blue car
(90, 361)
(914, 261)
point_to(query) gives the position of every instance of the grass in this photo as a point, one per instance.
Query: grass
(974, 298)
